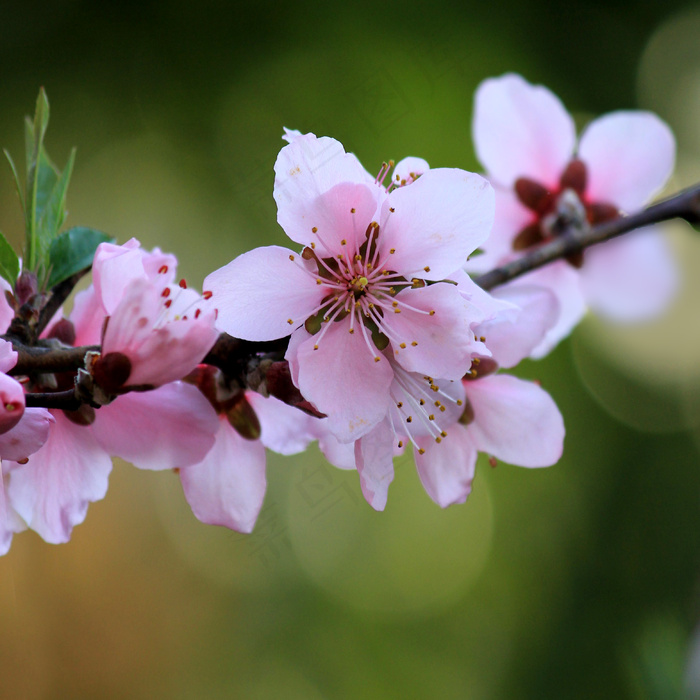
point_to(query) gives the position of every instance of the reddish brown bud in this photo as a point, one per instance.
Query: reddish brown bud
(111, 371)
(575, 259)
(534, 196)
(26, 287)
(279, 384)
(575, 177)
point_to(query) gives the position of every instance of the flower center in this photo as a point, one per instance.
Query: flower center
(559, 210)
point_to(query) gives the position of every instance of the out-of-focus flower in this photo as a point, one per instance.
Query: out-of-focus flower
(368, 284)
(545, 182)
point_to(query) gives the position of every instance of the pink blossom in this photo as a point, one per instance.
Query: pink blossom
(227, 487)
(364, 287)
(157, 331)
(448, 422)
(543, 181)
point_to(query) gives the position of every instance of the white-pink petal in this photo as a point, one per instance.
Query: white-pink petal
(11, 402)
(521, 130)
(342, 379)
(27, 436)
(52, 491)
(630, 278)
(513, 334)
(170, 427)
(260, 292)
(565, 283)
(305, 169)
(437, 319)
(629, 156)
(374, 457)
(8, 356)
(228, 487)
(515, 420)
(446, 470)
(436, 223)
(283, 428)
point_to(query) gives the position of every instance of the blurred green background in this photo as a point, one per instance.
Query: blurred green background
(578, 581)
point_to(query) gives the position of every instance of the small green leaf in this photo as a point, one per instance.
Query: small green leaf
(53, 211)
(9, 262)
(18, 184)
(73, 251)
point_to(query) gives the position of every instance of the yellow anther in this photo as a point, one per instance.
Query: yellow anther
(421, 451)
(343, 242)
(442, 408)
(290, 322)
(422, 402)
(352, 211)
(459, 402)
(376, 359)
(482, 339)
(443, 433)
(438, 440)
(351, 331)
(414, 343)
(358, 257)
(397, 311)
(409, 419)
(314, 230)
(431, 417)
(392, 251)
(392, 209)
(313, 245)
(291, 257)
(400, 444)
(318, 280)
(394, 303)
(399, 404)
(432, 313)
(315, 347)
(403, 346)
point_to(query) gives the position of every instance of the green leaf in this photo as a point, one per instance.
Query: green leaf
(53, 210)
(41, 176)
(9, 262)
(18, 184)
(73, 251)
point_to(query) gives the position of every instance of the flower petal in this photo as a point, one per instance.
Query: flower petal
(629, 155)
(87, 317)
(228, 487)
(170, 427)
(374, 456)
(8, 356)
(565, 283)
(513, 334)
(630, 278)
(446, 470)
(306, 168)
(27, 436)
(259, 292)
(435, 224)
(284, 429)
(343, 381)
(11, 403)
(515, 420)
(521, 130)
(52, 491)
(437, 320)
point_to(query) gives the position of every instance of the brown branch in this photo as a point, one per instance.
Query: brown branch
(58, 294)
(685, 205)
(45, 360)
(66, 400)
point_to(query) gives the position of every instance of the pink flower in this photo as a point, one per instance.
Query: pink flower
(157, 331)
(449, 422)
(227, 487)
(543, 180)
(365, 286)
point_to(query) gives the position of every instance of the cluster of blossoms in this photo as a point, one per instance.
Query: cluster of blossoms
(389, 343)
